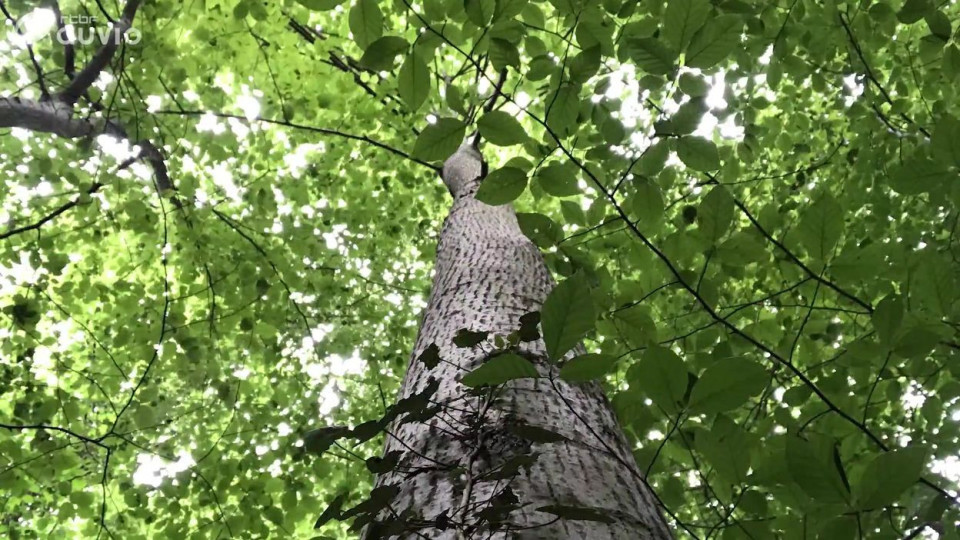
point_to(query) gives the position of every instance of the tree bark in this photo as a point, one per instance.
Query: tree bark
(453, 477)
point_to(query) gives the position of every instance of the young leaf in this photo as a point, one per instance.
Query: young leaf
(567, 315)
(502, 186)
(440, 140)
(500, 369)
(578, 513)
(501, 129)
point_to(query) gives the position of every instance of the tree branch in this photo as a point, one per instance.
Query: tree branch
(88, 75)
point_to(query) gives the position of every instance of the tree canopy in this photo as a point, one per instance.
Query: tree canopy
(217, 236)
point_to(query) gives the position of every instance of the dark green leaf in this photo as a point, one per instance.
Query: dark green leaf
(413, 81)
(440, 140)
(500, 369)
(727, 384)
(501, 129)
(502, 186)
(567, 315)
(382, 53)
(587, 367)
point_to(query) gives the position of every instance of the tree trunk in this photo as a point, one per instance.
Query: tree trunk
(457, 475)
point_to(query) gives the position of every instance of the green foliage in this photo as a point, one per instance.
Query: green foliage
(770, 304)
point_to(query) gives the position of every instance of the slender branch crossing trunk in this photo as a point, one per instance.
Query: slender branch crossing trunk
(468, 472)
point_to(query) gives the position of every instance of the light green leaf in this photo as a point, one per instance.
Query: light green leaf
(727, 384)
(413, 81)
(439, 141)
(366, 22)
(587, 367)
(501, 129)
(500, 369)
(502, 186)
(567, 315)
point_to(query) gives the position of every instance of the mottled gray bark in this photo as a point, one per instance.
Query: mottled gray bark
(488, 274)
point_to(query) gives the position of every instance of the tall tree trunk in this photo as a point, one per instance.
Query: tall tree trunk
(457, 474)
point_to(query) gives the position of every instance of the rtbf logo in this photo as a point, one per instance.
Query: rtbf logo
(82, 29)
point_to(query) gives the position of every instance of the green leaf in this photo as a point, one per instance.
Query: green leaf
(563, 109)
(914, 10)
(661, 375)
(585, 65)
(649, 55)
(888, 475)
(714, 42)
(504, 54)
(382, 53)
(413, 81)
(567, 315)
(320, 5)
(698, 153)
(887, 318)
(715, 214)
(726, 449)
(727, 384)
(479, 12)
(542, 230)
(559, 179)
(366, 22)
(500, 369)
(501, 129)
(646, 202)
(682, 18)
(813, 466)
(587, 367)
(820, 227)
(440, 140)
(502, 186)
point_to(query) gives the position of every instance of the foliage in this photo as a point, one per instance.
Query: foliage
(757, 201)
